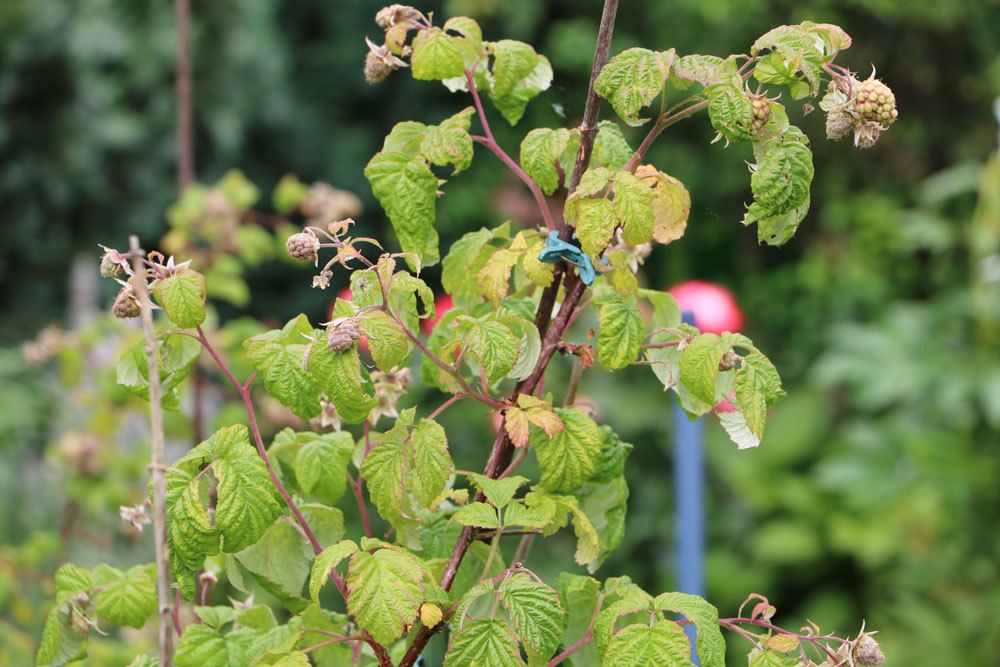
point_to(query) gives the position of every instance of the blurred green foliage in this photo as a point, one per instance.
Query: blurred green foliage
(875, 493)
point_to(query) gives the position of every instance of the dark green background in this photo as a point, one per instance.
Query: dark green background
(875, 494)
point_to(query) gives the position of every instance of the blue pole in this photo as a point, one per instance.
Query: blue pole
(689, 490)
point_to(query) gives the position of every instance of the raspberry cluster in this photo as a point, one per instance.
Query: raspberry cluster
(865, 109)
(874, 101)
(126, 306)
(761, 114)
(303, 246)
(341, 333)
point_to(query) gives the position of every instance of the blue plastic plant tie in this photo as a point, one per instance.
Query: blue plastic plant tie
(558, 250)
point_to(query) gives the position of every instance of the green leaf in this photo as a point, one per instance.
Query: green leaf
(620, 335)
(512, 104)
(144, 661)
(780, 185)
(436, 56)
(466, 257)
(705, 70)
(406, 138)
(614, 452)
(449, 142)
(735, 426)
(216, 617)
(389, 344)
(201, 646)
(536, 612)
(65, 635)
(595, 225)
(540, 151)
(326, 561)
(430, 461)
(794, 51)
(495, 346)
(176, 355)
(632, 79)
(729, 109)
(570, 457)
(642, 645)
(321, 464)
(245, 505)
(633, 207)
(709, 641)
(327, 522)
(344, 379)
(768, 658)
(190, 533)
(182, 297)
(700, 365)
(477, 514)
(671, 204)
(125, 598)
(384, 592)
(484, 642)
(605, 505)
(71, 579)
(492, 280)
(406, 188)
(539, 272)
(499, 491)
(611, 149)
(512, 62)
(579, 594)
(278, 356)
(280, 562)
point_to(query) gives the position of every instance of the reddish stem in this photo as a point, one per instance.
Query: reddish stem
(362, 506)
(490, 142)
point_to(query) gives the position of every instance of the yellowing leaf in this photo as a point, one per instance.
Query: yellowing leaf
(671, 204)
(436, 55)
(384, 592)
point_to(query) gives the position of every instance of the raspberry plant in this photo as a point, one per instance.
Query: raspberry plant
(265, 514)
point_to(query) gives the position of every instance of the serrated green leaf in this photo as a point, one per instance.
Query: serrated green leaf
(700, 365)
(570, 457)
(144, 661)
(499, 491)
(389, 345)
(449, 142)
(595, 225)
(705, 70)
(406, 138)
(484, 642)
(614, 452)
(768, 658)
(518, 514)
(540, 151)
(215, 617)
(529, 345)
(539, 272)
(794, 51)
(735, 426)
(632, 79)
(384, 592)
(611, 149)
(201, 646)
(536, 612)
(176, 355)
(466, 27)
(671, 204)
(125, 598)
(633, 207)
(383, 469)
(406, 188)
(190, 533)
(63, 642)
(182, 297)
(477, 514)
(710, 644)
(492, 280)
(729, 109)
(326, 522)
(495, 346)
(620, 335)
(605, 505)
(245, 505)
(344, 379)
(321, 464)
(780, 185)
(278, 356)
(512, 104)
(641, 645)
(466, 258)
(326, 561)
(512, 62)
(430, 462)
(436, 56)
(71, 579)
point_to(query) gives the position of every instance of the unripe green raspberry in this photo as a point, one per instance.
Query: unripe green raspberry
(126, 306)
(761, 114)
(303, 246)
(874, 101)
(109, 268)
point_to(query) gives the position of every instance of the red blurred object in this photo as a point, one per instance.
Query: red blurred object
(714, 307)
(442, 305)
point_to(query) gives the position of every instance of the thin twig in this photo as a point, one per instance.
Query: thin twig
(157, 464)
(582, 641)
